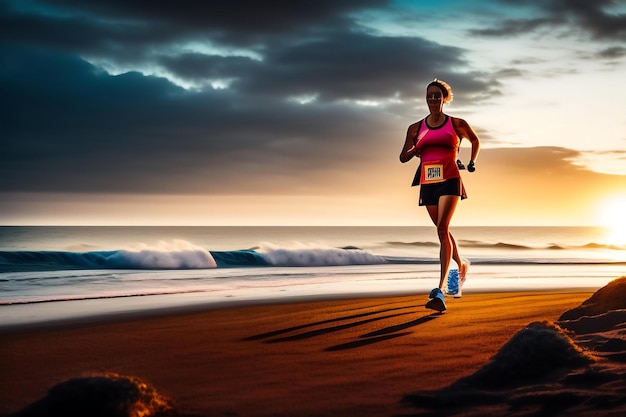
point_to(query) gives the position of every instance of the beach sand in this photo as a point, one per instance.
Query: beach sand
(380, 356)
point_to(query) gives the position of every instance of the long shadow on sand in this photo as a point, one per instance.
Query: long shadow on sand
(384, 334)
(320, 323)
(327, 330)
(380, 335)
(403, 326)
(364, 342)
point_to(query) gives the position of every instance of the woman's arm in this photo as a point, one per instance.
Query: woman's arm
(464, 130)
(408, 151)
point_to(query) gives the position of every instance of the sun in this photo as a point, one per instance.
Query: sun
(613, 218)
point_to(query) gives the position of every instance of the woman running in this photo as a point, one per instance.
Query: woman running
(435, 140)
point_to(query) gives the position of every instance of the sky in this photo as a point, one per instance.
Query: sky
(294, 112)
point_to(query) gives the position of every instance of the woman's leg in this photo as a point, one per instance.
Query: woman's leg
(448, 248)
(441, 216)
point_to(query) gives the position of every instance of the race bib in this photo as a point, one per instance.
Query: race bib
(432, 173)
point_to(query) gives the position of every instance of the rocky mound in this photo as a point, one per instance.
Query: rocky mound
(107, 395)
(575, 367)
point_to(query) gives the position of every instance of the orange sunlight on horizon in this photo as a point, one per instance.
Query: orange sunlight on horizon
(612, 215)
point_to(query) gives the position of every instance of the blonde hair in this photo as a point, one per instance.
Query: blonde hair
(445, 88)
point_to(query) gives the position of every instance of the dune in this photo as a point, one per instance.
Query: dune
(101, 395)
(573, 367)
(608, 298)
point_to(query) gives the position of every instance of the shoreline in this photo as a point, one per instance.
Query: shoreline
(376, 282)
(338, 356)
(154, 309)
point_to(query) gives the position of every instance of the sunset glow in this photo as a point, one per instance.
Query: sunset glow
(171, 115)
(613, 218)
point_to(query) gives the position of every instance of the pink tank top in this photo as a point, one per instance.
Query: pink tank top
(437, 149)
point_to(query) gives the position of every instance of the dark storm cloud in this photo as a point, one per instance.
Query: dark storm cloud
(514, 27)
(594, 17)
(67, 125)
(241, 22)
(342, 65)
(118, 25)
(614, 52)
(85, 130)
(90, 131)
(199, 68)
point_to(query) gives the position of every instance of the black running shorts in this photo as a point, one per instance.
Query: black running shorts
(430, 193)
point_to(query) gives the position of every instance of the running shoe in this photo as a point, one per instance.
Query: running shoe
(434, 293)
(437, 302)
(453, 287)
(459, 293)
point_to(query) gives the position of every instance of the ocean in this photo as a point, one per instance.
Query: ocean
(57, 273)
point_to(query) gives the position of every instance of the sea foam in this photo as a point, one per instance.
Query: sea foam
(176, 254)
(300, 254)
